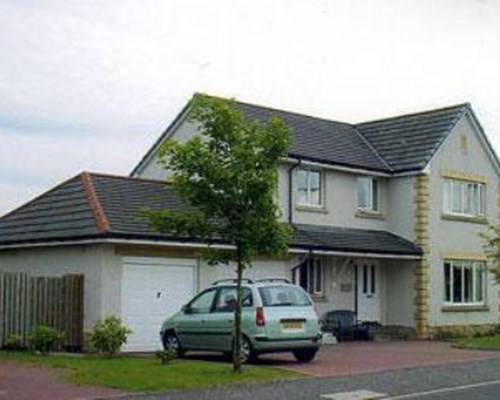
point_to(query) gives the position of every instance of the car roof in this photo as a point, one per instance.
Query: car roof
(258, 283)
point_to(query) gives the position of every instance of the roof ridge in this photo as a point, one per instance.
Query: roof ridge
(98, 213)
(417, 113)
(29, 202)
(128, 178)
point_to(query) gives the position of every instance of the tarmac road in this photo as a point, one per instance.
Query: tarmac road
(478, 380)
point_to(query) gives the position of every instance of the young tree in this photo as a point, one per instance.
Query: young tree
(491, 239)
(228, 173)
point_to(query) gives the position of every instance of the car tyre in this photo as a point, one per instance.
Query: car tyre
(247, 353)
(305, 355)
(171, 342)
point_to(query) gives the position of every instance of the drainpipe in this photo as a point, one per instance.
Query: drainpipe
(355, 288)
(290, 191)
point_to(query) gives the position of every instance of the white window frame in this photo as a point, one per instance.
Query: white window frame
(475, 267)
(314, 269)
(309, 190)
(464, 186)
(371, 206)
(369, 279)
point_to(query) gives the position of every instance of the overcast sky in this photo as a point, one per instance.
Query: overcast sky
(89, 85)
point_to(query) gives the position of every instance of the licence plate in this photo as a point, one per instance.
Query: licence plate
(289, 325)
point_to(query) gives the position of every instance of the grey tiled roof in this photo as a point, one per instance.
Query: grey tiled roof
(341, 239)
(321, 140)
(391, 145)
(408, 142)
(63, 212)
(105, 206)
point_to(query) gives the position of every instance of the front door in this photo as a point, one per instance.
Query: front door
(369, 291)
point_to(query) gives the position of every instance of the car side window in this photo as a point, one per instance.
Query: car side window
(203, 303)
(226, 299)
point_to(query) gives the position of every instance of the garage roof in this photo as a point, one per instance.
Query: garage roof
(98, 206)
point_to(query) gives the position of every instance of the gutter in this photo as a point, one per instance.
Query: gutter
(221, 246)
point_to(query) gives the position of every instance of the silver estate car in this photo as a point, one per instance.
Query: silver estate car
(277, 316)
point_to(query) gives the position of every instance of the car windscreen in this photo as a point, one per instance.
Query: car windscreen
(283, 296)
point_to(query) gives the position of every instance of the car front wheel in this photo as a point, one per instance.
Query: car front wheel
(171, 343)
(305, 355)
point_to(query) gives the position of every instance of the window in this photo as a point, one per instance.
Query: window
(463, 198)
(464, 282)
(309, 191)
(368, 194)
(203, 303)
(309, 275)
(369, 279)
(226, 299)
(283, 296)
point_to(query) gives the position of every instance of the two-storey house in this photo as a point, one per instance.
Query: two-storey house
(387, 215)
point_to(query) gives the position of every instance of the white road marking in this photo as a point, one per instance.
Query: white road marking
(444, 390)
(356, 395)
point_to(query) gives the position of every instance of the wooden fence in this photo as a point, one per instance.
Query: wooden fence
(26, 302)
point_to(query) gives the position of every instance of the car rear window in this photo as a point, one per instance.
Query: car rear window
(283, 296)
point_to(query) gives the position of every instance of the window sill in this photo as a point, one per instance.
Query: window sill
(465, 308)
(464, 218)
(318, 298)
(369, 214)
(316, 209)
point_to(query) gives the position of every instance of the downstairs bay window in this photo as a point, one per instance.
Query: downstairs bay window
(465, 282)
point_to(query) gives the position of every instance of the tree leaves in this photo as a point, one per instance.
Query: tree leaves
(228, 171)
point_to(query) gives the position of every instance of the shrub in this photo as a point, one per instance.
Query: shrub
(44, 339)
(166, 356)
(14, 342)
(108, 335)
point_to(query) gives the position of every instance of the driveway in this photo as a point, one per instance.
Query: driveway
(350, 358)
(21, 382)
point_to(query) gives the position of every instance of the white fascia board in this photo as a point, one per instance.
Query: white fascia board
(313, 164)
(117, 241)
(195, 246)
(355, 254)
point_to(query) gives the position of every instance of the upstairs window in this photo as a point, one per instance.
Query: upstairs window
(463, 198)
(465, 282)
(368, 194)
(309, 190)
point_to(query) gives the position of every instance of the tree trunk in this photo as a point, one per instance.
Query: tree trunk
(237, 314)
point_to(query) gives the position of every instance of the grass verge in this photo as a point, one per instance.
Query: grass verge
(137, 374)
(484, 342)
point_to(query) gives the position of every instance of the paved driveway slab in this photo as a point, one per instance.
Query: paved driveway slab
(20, 382)
(364, 357)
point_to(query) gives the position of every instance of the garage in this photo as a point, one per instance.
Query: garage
(153, 289)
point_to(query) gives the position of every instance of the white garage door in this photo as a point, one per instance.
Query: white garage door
(152, 290)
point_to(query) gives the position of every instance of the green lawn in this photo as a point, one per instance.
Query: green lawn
(147, 374)
(485, 342)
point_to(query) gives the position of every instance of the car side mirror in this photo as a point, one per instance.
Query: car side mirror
(186, 309)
